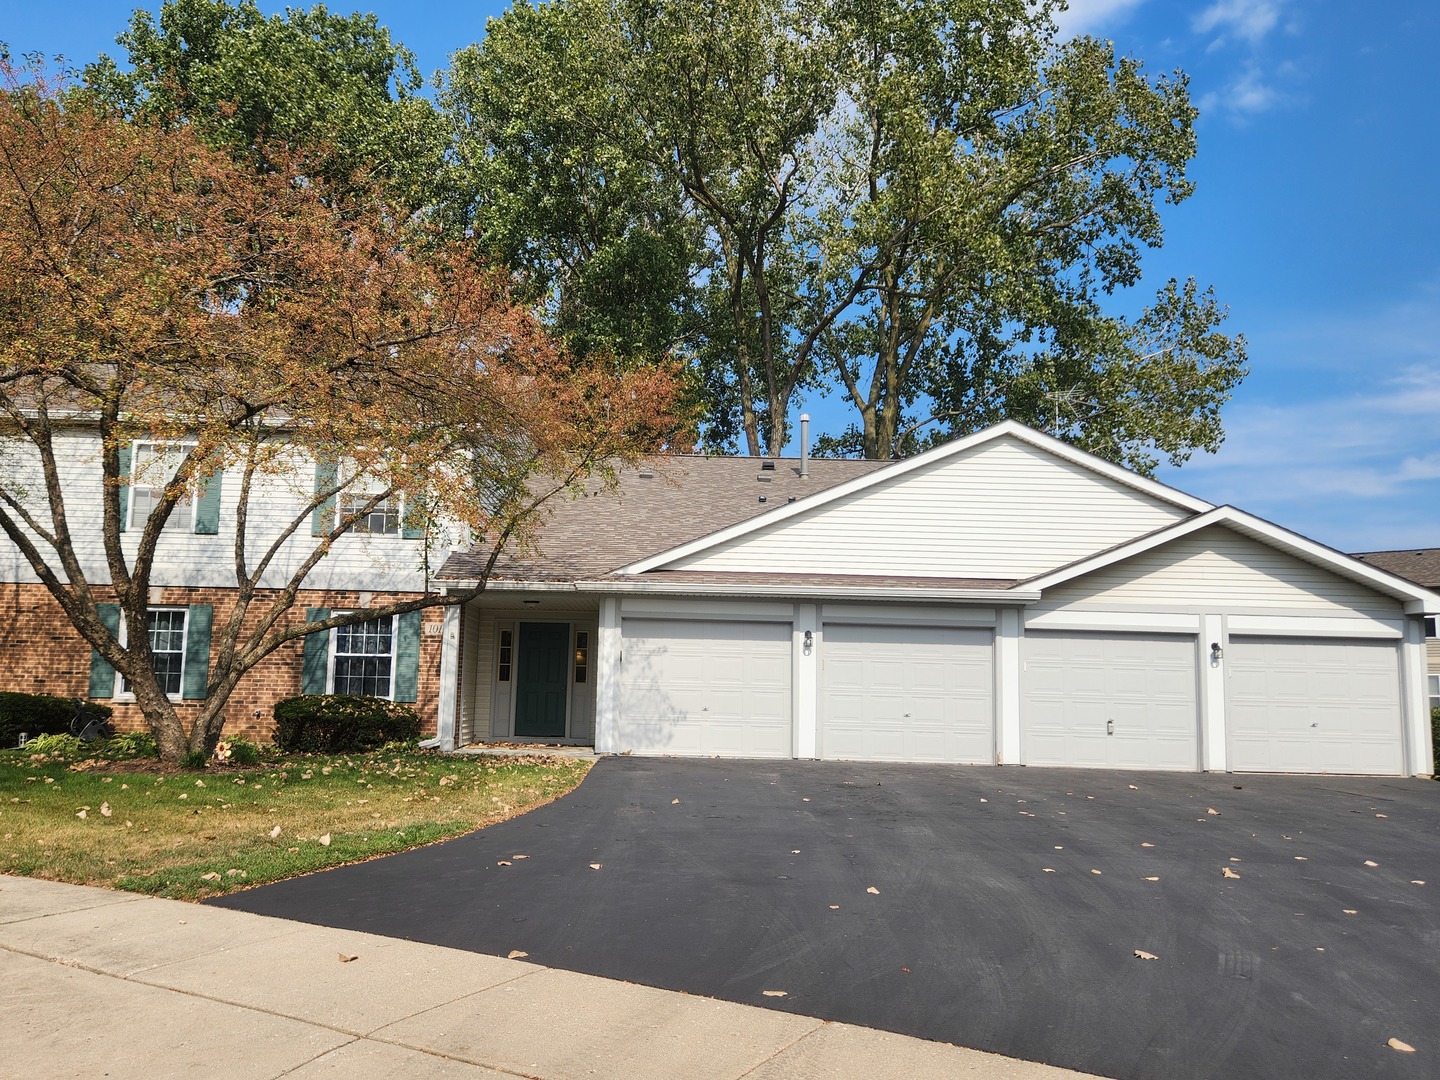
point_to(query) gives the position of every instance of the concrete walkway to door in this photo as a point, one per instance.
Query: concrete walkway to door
(100, 983)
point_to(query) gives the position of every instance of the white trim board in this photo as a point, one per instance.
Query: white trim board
(1135, 622)
(1010, 428)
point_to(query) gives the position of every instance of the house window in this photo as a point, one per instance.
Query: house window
(363, 658)
(382, 519)
(582, 655)
(1430, 627)
(167, 649)
(153, 466)
(507, 652)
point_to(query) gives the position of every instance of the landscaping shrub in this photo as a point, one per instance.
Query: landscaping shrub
(61, 745)
(40, 714)
(194, 759)
(132, 744)
(1435, 738)
(244, 752)
(341, 723)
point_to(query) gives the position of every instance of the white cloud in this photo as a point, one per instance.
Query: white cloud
(1347, 449)
(1246, 95)
(1249, 20)
(1084, 16)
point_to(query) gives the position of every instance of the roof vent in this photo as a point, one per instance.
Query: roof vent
(647, 474)
(767, 466)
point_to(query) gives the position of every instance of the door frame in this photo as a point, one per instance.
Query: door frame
(511, 689)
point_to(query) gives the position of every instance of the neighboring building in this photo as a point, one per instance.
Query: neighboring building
(1423, 568)
(1003, 598)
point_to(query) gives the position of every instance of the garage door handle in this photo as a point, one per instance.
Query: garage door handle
(1109, 727)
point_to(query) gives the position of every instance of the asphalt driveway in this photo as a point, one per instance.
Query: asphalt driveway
(964, 905)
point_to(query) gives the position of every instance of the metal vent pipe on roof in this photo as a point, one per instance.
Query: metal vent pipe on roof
(804, 446)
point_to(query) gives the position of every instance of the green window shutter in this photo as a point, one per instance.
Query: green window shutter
(317, 654)
(124, 453)
(323, 518)
(412, 525)
(197, 651)
(102, 675)
(407, 657)
(207, 507)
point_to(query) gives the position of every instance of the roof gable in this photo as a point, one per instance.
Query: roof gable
(1007, 502)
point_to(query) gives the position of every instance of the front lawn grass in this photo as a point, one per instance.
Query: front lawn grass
(193, 834)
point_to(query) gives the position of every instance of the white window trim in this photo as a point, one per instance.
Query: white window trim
(132, 486)
(118, 691)
(330, 656)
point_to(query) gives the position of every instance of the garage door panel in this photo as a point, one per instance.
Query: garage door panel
(907, 693)
(1109, 701)
(705, 687)
(1314, 705)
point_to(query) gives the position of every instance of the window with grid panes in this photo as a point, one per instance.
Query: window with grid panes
(153, 466)
(364, 658)
(382, 519)
(167, 649)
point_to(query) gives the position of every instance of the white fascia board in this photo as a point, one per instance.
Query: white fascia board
(790, 592)
(886, 475)
(1266, 532)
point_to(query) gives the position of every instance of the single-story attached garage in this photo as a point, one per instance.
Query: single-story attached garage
(1004, 598)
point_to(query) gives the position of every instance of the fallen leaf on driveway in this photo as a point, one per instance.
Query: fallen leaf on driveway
(873, 891)
(984, 800)
(1301, 858)
(1234, 859)
(1147, 845)
(1046, 870)
(1227, 872)
(673, 802)
(1284, 837)
(834, 907)
(347, 959)
(1133, 787)
(1059, 847)
(1371, 862)
(1212, 811)
(503, 862)
(795, 851)
(1143, 955)
(1417, 883)
(517, 954)
(1094, 871)
(773, 993)
(1403, 1047)
(1350, 911)
(1382, 815)
(1152, 879)
(325, 840)
(519, 856)
(804, 800)
(596, 865)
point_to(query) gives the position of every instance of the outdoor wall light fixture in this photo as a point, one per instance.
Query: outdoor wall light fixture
(1216, 653)
(809, 638)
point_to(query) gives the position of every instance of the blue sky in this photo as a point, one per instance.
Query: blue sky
(1316, 218)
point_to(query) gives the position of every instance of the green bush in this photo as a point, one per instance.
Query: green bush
(40, 714)
(243, 752)
(341, 723)
(1435, 738)
(195, 759)
(62, 745)
(132, 744)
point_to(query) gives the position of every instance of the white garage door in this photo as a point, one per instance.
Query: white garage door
(696, 687)
(1122, 701)
(906, 693)
(1314, 705)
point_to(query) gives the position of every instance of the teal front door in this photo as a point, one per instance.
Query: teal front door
(542, 680)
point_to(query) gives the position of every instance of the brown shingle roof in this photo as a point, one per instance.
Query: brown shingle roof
(1421, 566)
(654, 509)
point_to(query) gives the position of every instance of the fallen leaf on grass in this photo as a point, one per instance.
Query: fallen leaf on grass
(325, 840)
(1143, 955)
(274, 832)
(212, 876)
(774, 993)
(1227, 872)
(873, 891)
(82, 814)
(1371, 862)
(517, 954)
(1212, 811)
(104, 809)
(344, 959)
(1403, 1047)
(596, 865)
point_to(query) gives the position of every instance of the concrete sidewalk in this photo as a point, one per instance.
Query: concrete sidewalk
(100, 983)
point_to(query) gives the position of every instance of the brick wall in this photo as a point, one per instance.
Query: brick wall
(41, 653)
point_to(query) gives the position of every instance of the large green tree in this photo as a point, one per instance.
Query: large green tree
(937, 209)
(302, 80)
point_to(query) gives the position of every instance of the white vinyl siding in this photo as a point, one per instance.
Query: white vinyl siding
(696, 687)
(1220, 569)
(1004, 509)
(1314, 705)
(1120, 701)
(907, 693)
